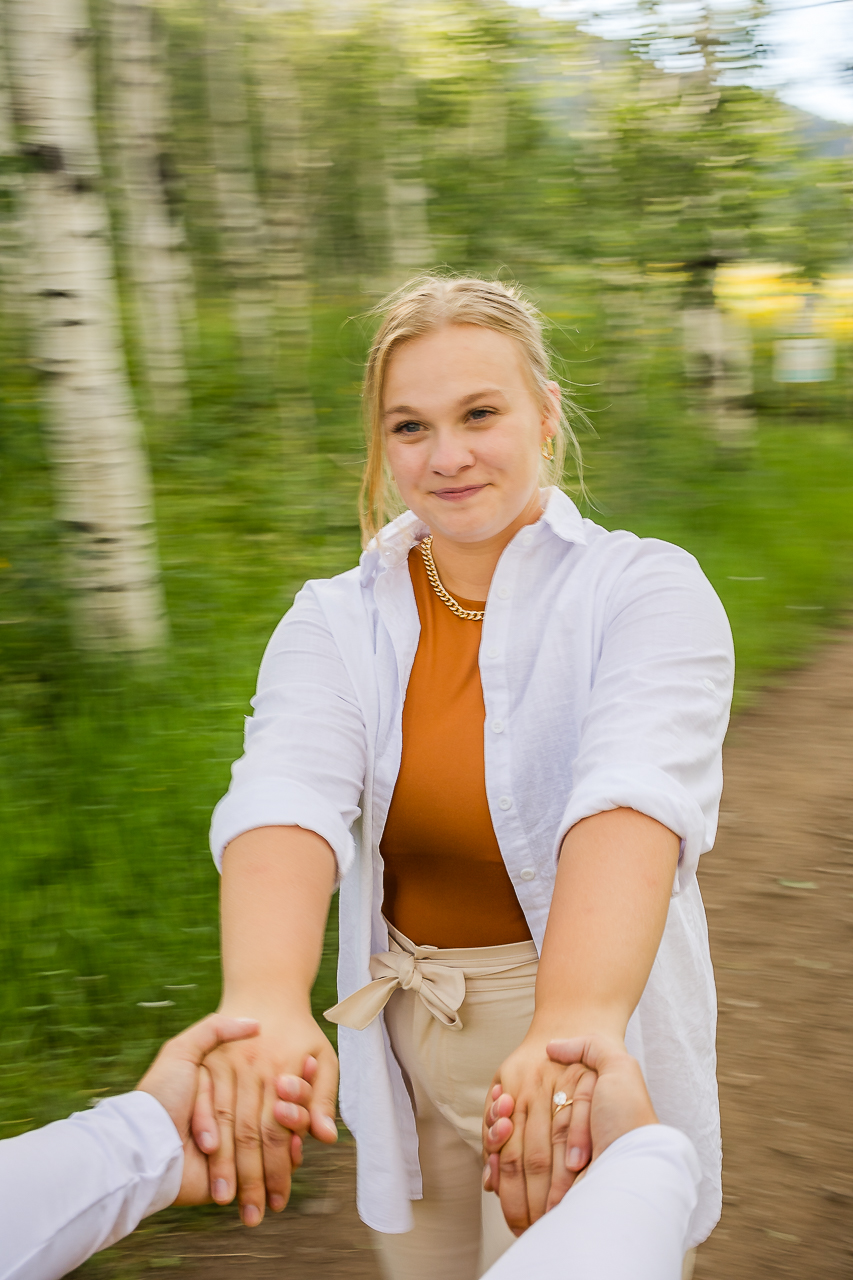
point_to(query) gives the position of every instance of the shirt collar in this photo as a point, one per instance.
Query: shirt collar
(563, 517)
(394, 541)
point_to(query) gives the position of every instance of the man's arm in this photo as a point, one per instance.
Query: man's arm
(629, 1217)
(78, 1185)
(608, 912)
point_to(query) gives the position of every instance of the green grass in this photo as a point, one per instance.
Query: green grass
(108, 774)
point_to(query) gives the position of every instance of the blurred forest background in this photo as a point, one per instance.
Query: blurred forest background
(200, 202)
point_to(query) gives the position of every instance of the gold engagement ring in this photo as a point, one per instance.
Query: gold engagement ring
(560, 1100)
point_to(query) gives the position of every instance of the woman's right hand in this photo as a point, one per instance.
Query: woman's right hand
(248, 1150)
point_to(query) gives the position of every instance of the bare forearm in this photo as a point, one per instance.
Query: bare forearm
(276, 887)
(606, 921)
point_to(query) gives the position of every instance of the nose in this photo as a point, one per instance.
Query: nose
(451, 454)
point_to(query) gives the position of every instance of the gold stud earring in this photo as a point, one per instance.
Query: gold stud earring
(547, 449)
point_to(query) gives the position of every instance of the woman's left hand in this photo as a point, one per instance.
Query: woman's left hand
(546, 1149)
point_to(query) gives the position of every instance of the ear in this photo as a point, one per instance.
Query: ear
(551, 409)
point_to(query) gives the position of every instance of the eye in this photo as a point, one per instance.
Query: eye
(406, 429)
(480, 415)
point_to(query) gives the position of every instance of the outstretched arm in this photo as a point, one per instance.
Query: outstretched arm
(629, 1218)
(80, 1184)
(605, 925)
(276, 886)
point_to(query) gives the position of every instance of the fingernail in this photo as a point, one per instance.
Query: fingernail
(486, 1172)
(329, 1125)
(207, 1141)
(575, 1157)
(276, 1203)
(220, 1190)
(251, 1215)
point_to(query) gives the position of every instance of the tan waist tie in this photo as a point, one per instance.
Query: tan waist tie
(437, 976)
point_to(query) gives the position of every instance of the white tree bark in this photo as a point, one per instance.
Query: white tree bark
(155, 244)
(12, 258)
(284, 163)
(242, 231)
(103, 486)
(410, 246)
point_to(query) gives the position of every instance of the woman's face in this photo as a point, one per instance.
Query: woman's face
(463, 430)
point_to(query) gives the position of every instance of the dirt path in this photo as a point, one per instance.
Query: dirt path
(779, 892)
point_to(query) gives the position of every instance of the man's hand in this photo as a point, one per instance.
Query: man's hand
(621, 1100)
(173, 1079)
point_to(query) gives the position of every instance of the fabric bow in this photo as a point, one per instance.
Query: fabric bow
(441, 988)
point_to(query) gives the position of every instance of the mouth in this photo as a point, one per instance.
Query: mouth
(458, 494)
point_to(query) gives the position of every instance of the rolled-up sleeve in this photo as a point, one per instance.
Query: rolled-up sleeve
(304, 753)
(652, 736)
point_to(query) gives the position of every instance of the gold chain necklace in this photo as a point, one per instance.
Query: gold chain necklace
(471, 615)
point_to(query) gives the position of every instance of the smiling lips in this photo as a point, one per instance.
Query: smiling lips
(456, 495)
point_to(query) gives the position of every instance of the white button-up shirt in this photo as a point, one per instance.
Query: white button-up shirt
(80, 1184)
(606, 663)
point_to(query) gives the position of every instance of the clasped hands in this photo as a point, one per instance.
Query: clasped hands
(256, 1100)
(210, 1132)
(534, 1149)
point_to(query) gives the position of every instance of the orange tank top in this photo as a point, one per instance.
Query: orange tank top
(445, 880)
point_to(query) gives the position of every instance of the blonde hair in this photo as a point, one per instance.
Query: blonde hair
(419, 307)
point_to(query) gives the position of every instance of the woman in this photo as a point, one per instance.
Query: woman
(501, 734)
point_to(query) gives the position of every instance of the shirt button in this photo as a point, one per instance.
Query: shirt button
(493, 652)
(497, 726)
(709, 684)
(504, 593)
(505, 802)
(527, 873)
(527, 540)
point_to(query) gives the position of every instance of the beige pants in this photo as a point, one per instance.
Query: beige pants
(459, 1229)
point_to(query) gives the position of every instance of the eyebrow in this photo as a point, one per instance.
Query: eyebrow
(461, 404)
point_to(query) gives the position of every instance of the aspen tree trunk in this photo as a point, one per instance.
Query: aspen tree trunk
(241, 224)
(410, 246)
(155, 244)
(286, 215)
(12, 259)
(103, 487)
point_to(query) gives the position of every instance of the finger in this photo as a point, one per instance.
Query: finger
(502, 1105)
(194, 1044)
(205, 1130)
(290, 1116)
(297, 1094)
(296, 1151)
(323, 1107)
(491, 1097)
(561, 1176)
(248, 1149)
(491, 1174)
(497, 1135)
(276, 1143)
(578, 1138)
(538, 1150)
(223, 1171)
(566, 1130)
(309, 1069)
(597, 1052)
(512, 1188)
